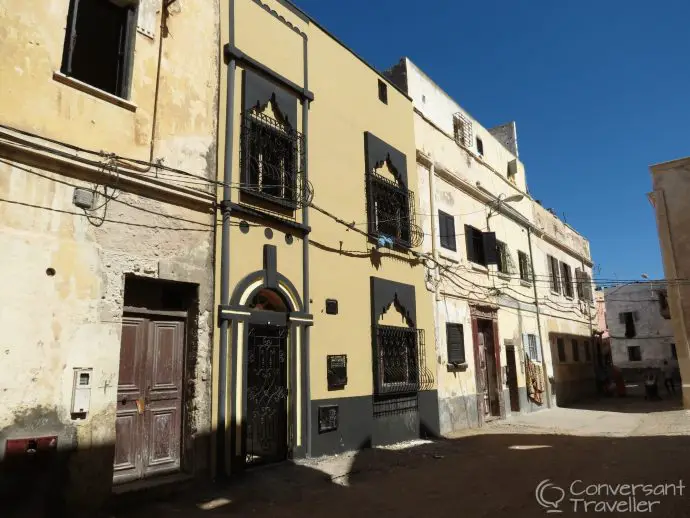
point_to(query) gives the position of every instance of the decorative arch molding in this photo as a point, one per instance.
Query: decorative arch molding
(401, 296)
(377, 153)
(258, 92)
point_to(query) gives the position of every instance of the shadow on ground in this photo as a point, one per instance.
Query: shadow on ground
(481, 475)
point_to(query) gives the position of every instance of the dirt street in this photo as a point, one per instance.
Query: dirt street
(490, 472)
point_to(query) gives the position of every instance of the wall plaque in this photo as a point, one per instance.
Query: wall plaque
(328, 418)
(336, 371)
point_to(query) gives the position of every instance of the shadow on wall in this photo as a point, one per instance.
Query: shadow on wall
(487, 475)
(43, 474)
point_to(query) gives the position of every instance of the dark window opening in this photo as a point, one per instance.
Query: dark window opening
(553, 274)
(455, 342)
(567, 276)
(579, 283)
(634, 353)
(98, 44)
(560, 343)
(271, 158)
(481, 246)
(383, 92)
(588, 351)
(663, 305)
(628, 318)
(396, 350)
(674, 353)
(576, 351)
(480, 146)
(446, 224)
(523, 262)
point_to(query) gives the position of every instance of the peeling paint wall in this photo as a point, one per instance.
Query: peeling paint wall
(653, 332)
(62, 272)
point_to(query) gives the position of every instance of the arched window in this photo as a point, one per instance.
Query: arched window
(268, 300)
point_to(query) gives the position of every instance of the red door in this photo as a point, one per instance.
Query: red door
(149, 398)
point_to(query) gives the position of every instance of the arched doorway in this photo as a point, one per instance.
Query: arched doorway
(266, 431)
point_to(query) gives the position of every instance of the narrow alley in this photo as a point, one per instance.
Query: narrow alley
(493, 471)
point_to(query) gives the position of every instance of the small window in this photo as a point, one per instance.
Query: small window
(446, 224)
(533, 351)
(634, 353)
(674, 353)
(560, 344)
(663, 305)
(588, 351)
(481, 246)
(98, 44)
(383, 92)
(628, 319)
(576, 351)
(554, 274)
(567, 277)
(523, 262)
(455, 342)
(480, 147)
(504, 261)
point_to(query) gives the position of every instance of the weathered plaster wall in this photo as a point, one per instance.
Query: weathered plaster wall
(671, 187)
(73, 319)
(653, 332)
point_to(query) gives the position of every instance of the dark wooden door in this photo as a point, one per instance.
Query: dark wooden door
(511, 375)
(149, 398)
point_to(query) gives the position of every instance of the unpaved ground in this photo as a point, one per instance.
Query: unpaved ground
(491, 472)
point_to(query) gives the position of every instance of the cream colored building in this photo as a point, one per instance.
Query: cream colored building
(492, 245)
(671, 185)
(106, 263)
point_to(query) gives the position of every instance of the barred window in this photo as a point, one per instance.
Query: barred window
(504, 260)
(397, 355)
(525, 270)
(390, 207)
(271, 158)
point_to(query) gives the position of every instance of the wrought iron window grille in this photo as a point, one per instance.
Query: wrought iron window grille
(400, 361)
(272, 161)
(391, 211)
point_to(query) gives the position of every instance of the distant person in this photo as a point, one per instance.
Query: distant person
(668, 377)
(651, 389)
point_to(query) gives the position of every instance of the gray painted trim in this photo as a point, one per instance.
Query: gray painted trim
(384, 291)
(377, 152)
(233, 408)
(245, 352)
(306, 396)
(303, 229)
(259, 91)
(292, 394)
(242, 286)
(232, 53)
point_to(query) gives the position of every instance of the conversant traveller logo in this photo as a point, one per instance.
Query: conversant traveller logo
(605, 498)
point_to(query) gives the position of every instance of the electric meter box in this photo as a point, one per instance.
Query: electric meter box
(81, 391)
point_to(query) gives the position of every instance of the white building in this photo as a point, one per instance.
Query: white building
(504, 269)
(639, 323)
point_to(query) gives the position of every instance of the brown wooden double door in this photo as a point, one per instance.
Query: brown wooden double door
(149, 397)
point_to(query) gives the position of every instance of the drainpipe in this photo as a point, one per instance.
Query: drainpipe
(305, 244)
(547, 382)
(434, 249)
(225, 250)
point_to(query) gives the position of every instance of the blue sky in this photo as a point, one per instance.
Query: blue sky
(600, 89)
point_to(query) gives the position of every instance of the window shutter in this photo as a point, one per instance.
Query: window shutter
(539, 356)
(442, 229)
(489, 241)
(525, 345)
(455, 342)
(450, 232)
(469, 231)
(578, 280)
(564, 277)
(621, 318)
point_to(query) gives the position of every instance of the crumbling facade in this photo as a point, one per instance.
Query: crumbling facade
(107, 164)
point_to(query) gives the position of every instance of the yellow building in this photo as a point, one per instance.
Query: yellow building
(326, 340)
(107, 191)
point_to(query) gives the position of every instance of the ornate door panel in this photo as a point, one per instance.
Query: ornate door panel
(267, 391)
